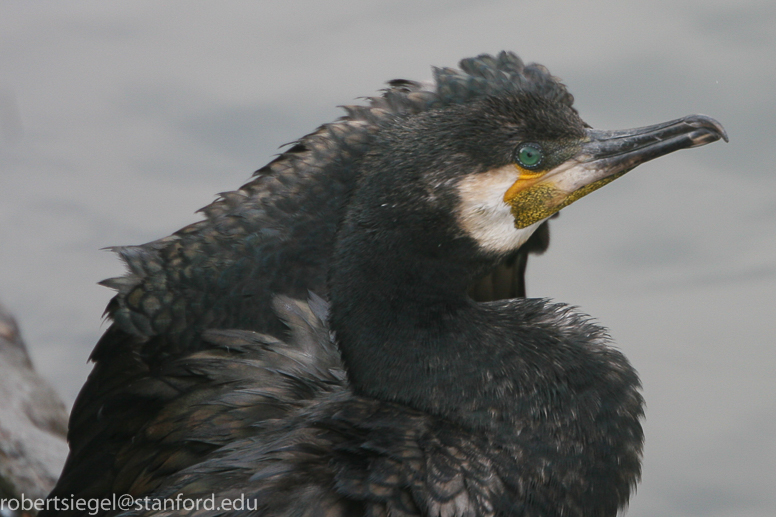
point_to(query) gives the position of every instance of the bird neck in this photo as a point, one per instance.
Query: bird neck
(395, 323)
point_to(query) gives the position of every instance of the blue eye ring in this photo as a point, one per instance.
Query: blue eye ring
(529, 155)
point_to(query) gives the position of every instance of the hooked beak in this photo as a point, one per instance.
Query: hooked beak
(604, 156)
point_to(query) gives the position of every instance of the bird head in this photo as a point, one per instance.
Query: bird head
(534, 155)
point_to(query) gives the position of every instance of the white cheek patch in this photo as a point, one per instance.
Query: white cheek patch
(485, 216)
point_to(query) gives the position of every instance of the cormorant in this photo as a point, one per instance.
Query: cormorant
(439, 405)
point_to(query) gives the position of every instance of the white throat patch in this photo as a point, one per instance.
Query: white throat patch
(485, 216)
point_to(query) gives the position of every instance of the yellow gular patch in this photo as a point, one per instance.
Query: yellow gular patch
(525, 179)
(535, 203)
(531, 199)
(543, 199)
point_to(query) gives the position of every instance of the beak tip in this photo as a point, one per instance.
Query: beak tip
(711, 127)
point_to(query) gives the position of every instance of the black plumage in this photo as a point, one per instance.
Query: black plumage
(439, 405)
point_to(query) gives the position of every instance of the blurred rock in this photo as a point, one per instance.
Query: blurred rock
(33, 422)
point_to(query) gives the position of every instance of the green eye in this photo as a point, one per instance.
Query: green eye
(529, 155)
